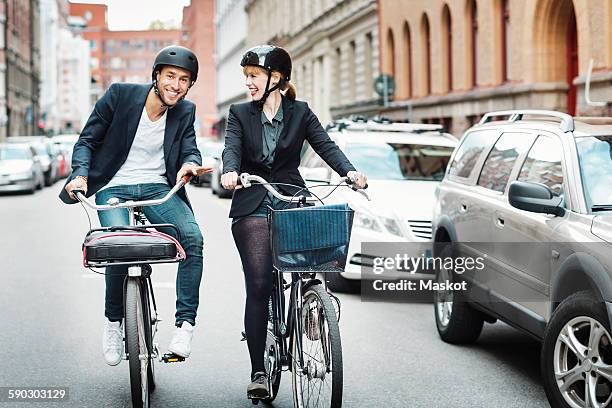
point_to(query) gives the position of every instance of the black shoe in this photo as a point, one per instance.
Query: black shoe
(258, 388)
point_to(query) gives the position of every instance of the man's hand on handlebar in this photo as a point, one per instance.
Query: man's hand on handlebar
(230, 181)
(77, 183)
(360, 180)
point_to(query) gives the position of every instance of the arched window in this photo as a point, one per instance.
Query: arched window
(426, 52)
(390, 54)
(504, 13)
(369, 49)
(407, 61)
(472, 29)
(352, 79)
(447, 49)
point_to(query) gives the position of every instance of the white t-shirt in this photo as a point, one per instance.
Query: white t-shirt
(145, 161)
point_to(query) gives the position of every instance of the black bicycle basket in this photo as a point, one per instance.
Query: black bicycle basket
(310, 238)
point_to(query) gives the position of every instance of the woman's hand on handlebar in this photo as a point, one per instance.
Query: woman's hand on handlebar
(360, 180)
(230, 181)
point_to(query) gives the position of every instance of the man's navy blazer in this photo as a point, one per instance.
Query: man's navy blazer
(244, 150)
(107, 137)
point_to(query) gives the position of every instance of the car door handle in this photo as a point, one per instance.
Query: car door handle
(500, 222)
(463, 207)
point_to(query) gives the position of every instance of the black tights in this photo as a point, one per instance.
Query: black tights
(252, 240)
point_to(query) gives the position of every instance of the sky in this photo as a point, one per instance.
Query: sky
(138, 14)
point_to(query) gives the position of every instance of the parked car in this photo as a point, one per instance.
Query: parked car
(215, 182)
(44, 152)
(532, 195)
(20, 169)
(404, 164)
(211, 155)
(65, 144)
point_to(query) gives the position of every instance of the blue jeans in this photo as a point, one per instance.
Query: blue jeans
(174, 211)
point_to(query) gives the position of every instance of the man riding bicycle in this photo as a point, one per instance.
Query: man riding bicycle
(138, 142)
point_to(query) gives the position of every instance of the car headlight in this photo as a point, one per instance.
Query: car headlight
(367, 221)
(377, 224)
(392, 226)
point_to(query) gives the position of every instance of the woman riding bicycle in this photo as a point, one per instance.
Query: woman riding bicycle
(265, 137)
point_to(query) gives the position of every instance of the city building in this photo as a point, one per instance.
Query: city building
(65, 71)
(334, 47)
(454, 60)
(19, 67)
(199, 36)
(230, 46)
(74, 103)
(118, 56)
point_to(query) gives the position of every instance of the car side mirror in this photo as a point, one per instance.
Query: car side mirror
(535, 197)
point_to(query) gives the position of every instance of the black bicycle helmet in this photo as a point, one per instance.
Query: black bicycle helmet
(176, 56)
(271, 58)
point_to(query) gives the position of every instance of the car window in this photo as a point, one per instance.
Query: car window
(399, 161)
(543, 164)
(595, 158)
(469, 151)
(14, 153)
(498, 166)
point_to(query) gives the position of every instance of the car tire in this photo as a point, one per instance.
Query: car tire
(580, 315)
(456, 320)
(339, 284)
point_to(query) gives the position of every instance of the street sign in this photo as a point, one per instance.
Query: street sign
(384, 85)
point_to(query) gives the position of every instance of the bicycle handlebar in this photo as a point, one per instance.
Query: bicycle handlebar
(129, 204)
(245, 180)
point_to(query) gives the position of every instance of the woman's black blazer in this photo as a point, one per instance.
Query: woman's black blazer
(244, 149)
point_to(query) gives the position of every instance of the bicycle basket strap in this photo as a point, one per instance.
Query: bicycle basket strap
(310, 236)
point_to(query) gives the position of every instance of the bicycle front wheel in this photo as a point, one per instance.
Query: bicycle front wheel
(136, 335)
(317, 352)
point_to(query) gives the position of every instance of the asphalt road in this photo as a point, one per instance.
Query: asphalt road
(51, 319)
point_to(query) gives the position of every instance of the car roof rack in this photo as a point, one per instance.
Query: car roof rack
(385, 126)
(566, 125)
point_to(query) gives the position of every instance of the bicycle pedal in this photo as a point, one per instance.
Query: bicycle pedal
(172, 358)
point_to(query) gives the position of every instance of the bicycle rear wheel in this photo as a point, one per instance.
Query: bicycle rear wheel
(317, 352)
(138, 335)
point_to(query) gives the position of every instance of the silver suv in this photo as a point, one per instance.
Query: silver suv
(529, 192)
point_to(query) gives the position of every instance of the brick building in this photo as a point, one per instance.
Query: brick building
(199, 36)
(19, 68)
(454, 60)
(119, 56)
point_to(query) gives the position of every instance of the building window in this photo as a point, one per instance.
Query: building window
(338, 77)
(369, 80)
(352, 79)
(447, 49)
(390, 60)
(93, 45)
(505, 43)
(426, 52)
(472, 27)
(407, 61)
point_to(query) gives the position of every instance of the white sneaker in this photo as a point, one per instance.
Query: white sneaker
(112, 342)
(181, 341)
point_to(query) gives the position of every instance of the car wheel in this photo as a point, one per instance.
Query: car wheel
(456, 320)
(576, 359)
(340, 284)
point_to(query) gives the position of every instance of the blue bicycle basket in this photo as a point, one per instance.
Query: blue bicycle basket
(310, 238)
